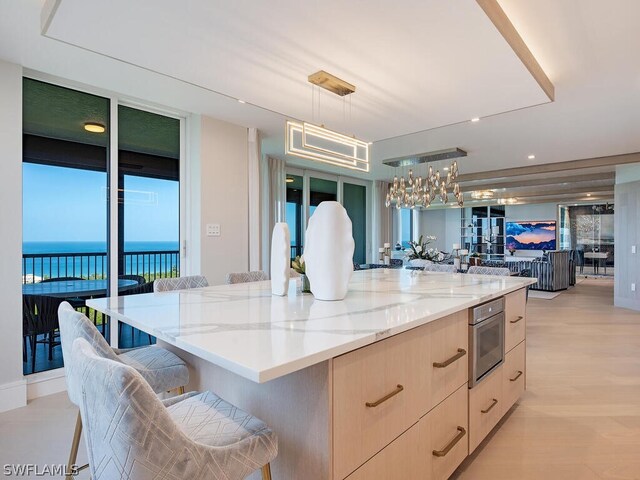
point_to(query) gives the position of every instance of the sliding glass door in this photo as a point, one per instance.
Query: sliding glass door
(68, 214)
(306, 189)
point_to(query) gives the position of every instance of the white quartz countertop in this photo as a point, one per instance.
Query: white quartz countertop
(245, 329)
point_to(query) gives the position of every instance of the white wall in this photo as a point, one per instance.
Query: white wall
(627, 235)
(224, 194)
(12, 384)
(537, 211)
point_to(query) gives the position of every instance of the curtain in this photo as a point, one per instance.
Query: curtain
(381, 219)
(253, 156)
(275, 198)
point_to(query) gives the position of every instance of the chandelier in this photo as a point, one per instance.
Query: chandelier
(420, 192)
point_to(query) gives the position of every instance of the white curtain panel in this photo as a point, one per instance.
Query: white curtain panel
(275, 199)
(381, 219)
(254, 155)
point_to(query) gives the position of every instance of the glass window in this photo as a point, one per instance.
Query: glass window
(148, 206)
(321, 190)
(294, 213)
(354, 199)
(65, 156)
(406, 222)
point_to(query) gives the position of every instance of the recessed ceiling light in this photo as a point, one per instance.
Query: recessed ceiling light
(588, 194)
(289, 180)
(241, 101)
(475, 119)
(94, 127)
(531, 157)
(370, 143)
(446, 169)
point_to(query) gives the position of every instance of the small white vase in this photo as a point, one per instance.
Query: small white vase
(280, 253)
(328, 253)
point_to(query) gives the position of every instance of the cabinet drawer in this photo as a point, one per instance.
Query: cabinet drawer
(485, 407)
(448, 347)
(400, 459)
(515, 319)
(377, 392)
(444, 436)
(513, 376)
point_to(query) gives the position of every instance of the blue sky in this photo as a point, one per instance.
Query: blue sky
(68, 204)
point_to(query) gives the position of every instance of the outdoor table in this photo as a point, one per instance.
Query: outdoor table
(74, 288)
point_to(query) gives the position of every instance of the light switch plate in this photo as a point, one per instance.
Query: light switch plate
(633, 287)
(213, 229)
(633, 249)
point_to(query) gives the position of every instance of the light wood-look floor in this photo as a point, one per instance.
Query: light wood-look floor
(580, 416)
(578, 420)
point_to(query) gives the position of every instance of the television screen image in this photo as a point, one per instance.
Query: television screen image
(531, 235)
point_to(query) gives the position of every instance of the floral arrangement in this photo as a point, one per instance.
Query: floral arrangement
(298, 265)
(512, 248)
(418, 250)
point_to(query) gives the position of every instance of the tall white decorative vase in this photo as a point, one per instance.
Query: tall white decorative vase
(328, 253)
(280, 258)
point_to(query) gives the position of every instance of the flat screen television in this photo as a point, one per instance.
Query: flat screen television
(531, 235)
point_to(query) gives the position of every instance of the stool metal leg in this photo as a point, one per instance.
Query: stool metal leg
(73, 454)
(266, 472)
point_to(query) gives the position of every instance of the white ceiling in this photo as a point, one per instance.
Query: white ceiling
(262, 52)
(427, 64)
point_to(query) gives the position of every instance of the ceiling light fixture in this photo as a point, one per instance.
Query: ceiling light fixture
(289, 180)
(420, 192)
(94, 127)
(241, 101)
(318, 143)
(482, 194)
(475, 119)
(507, 201)
(531, 157)
(588, 194)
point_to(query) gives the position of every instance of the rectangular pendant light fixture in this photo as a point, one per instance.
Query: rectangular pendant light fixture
(318, 143)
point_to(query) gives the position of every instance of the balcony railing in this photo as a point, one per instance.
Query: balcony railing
(93, 265)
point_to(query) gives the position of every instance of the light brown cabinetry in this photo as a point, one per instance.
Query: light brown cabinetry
(401, 459)
(448, 347)
(515, 319)
(513, 376)
(485, 407)
(377, 392)
(444, 436)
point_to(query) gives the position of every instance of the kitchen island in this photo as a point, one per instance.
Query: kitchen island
(316, 371)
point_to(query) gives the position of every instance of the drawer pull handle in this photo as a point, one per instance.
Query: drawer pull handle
(520, 317)
(441, 453)
(461, 353)
(398, 389)
(519, 374)
(494, 402)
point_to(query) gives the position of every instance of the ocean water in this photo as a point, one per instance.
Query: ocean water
(61, 259)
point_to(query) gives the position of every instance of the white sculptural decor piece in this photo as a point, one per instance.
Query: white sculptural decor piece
(280, 252)
(328, 253)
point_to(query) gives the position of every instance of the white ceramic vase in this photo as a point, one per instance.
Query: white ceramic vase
(280, 259)
(328, 253)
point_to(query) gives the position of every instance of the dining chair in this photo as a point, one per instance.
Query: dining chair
(179, 283)
(39, 317)
(503, 272)
(161, 369)
(439, 267)
(132, 434)
(136, 290)
(246, 277)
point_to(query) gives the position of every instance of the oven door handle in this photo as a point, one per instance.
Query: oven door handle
(461, 353)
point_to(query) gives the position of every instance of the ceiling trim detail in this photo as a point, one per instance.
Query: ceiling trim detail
(494, 11)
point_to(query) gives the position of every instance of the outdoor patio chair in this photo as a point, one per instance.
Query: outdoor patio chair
(39, 317)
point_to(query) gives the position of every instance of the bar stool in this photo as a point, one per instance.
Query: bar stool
(132, 434)
(162, 369)
(179, 283)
